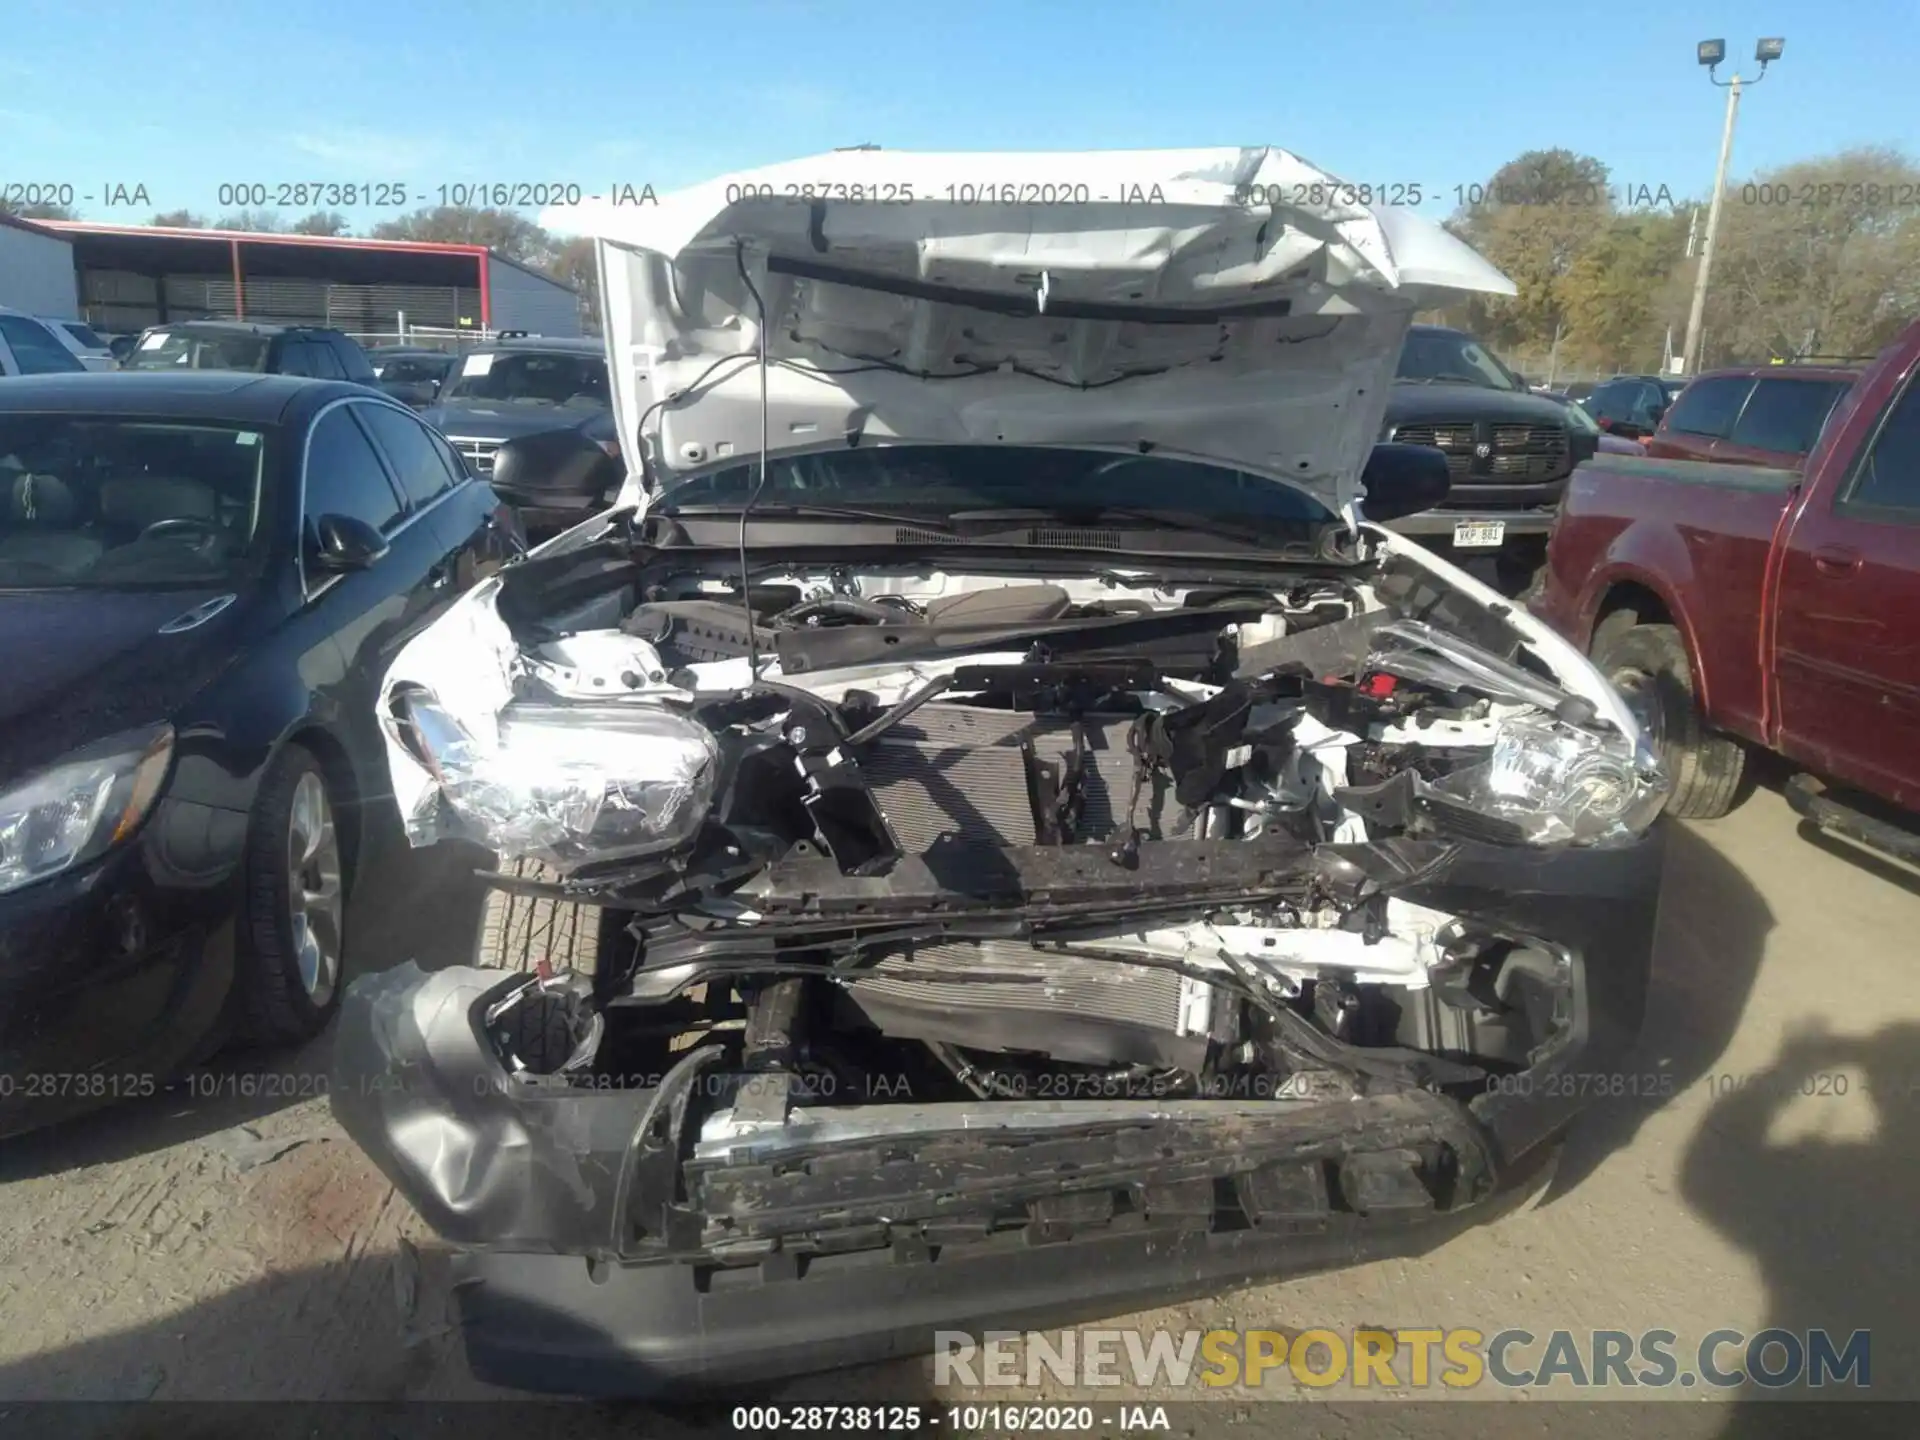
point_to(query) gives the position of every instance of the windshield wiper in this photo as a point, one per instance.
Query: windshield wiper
(1234, 527)
(790, 510)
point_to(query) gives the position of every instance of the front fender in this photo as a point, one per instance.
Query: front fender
(488, 1158)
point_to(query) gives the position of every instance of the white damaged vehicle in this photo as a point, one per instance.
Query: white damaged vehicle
(1029, 844)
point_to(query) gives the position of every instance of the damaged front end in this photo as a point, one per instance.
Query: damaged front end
(1165, 939)
(1054, 858)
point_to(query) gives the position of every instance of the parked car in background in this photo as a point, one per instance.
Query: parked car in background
(29, 346)
(1630, 406)
(509, 388)
(202, 579)
(87, 344)
(411, 373)
(1509, 452)
(121, 346)
(1766, 606)
(314, 351)
(1756, 415)
(512, 388)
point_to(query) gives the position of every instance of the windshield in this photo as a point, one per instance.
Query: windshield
(936, 481)
(531, 378)
(1444, 357)
(84, 335)
(103, 501)
(413, 368)
(197, 350)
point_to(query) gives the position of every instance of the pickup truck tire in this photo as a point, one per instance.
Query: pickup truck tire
(1648, 663)
(519, 931)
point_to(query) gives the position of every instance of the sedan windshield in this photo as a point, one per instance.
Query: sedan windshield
(1442, 357)
(936, 481)
(197, 350)
(530, 378)
(100, 501)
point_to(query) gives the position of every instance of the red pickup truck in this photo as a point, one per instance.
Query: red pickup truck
(1739, 605)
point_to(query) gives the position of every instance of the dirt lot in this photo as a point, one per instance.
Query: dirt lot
(220, 1244)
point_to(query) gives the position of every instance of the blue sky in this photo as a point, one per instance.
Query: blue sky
(182, 98)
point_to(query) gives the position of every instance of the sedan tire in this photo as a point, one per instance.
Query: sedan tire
(292, 933)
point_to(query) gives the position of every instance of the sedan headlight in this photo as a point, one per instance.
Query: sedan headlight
(1563, 785)
(80, 808)
(568, 783)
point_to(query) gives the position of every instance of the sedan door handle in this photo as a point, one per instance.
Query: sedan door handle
(1836, 560)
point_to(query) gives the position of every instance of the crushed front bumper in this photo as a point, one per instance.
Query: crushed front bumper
(586, 1218)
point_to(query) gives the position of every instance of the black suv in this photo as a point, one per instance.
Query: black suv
(527, 385)
(309, 350)
(1630, 406)
(1509, 452)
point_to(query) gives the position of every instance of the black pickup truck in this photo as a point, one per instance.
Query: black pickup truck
(1509, 452)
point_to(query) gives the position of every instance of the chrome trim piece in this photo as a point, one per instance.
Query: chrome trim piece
(197, 616)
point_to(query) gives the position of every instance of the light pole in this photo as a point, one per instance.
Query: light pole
(1711, 53)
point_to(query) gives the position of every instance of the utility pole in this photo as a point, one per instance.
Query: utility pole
(1710, 54)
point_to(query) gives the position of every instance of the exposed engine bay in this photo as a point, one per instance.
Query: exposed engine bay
(1139, 838)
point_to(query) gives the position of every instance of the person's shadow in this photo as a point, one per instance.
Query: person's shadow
(1712, 932)
(1812, 1167)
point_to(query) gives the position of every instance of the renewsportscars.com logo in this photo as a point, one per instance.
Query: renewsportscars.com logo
(1458, 1357)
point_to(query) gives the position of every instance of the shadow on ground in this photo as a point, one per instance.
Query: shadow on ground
(406, 903)
(1812, 1167)
(1708, 945)
(359, 1348)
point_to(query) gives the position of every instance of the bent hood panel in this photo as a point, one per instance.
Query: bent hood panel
(1236, 306)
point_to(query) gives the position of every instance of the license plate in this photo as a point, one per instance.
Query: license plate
(1479, 534)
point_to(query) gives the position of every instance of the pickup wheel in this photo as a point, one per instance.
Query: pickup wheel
(1648, 665)
(519, 931)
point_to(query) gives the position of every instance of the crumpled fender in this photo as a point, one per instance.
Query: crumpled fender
(488, 1158)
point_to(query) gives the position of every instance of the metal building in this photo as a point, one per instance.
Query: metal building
(36, 269)
(133, 276)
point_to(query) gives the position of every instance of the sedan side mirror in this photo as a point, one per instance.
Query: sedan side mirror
(345, 542)
(1403, 480)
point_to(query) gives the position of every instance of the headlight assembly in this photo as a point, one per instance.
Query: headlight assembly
(568, 783)
(72, 812)
(1562, 785)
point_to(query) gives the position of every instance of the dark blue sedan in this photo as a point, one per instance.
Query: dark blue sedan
(203, 578)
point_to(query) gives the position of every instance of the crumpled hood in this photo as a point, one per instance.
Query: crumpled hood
(1234, 306)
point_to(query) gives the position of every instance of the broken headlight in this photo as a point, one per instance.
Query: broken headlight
(1563, 785)
(568, 783)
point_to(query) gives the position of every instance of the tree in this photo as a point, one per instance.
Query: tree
(1533, 220)
(505, 232)
(263, 222)
(322, 222)
(38, 210)
(179, 220)
(1616, 294)
(573, 264)
(1821, 256)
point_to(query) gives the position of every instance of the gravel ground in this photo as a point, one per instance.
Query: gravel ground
(229, 1243)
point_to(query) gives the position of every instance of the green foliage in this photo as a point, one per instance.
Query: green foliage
(1822, 256)
(506, 232)
(322, 222)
